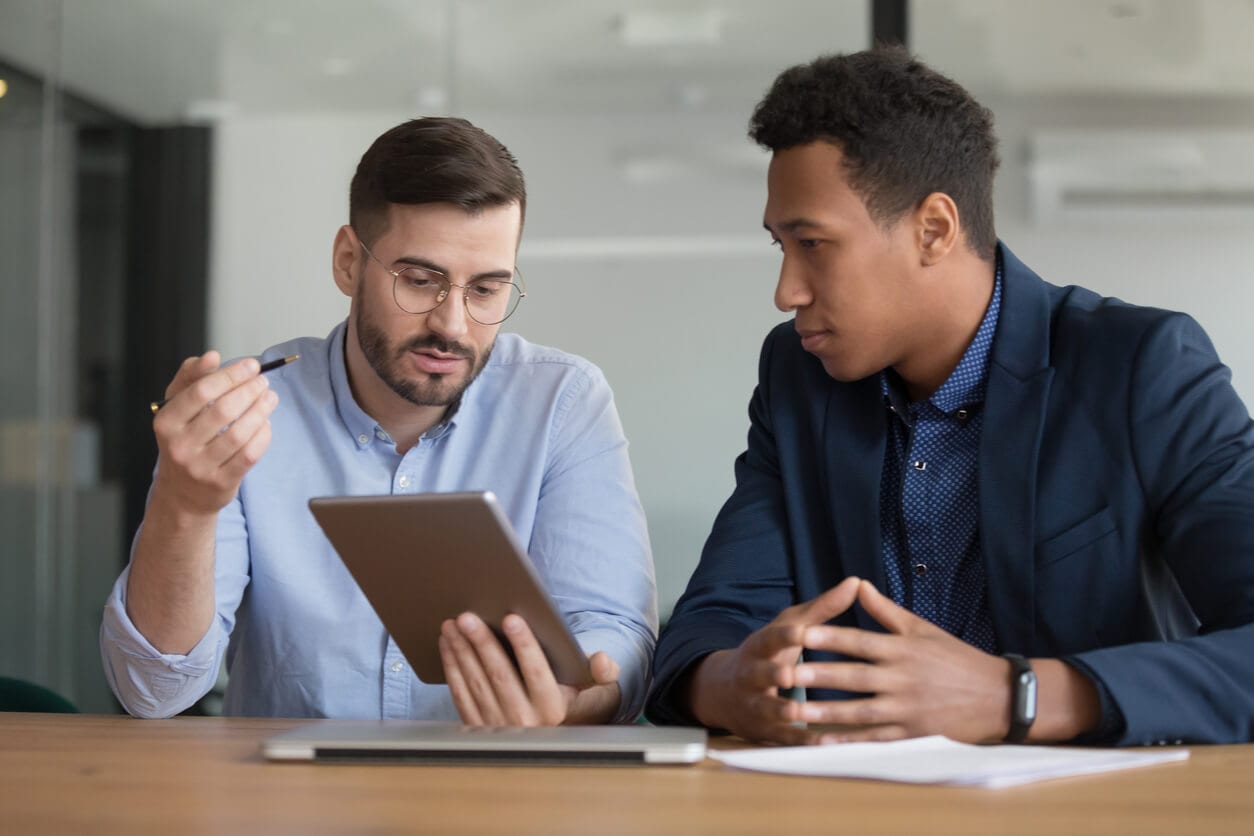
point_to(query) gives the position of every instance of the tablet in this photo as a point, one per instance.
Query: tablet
(424, 558)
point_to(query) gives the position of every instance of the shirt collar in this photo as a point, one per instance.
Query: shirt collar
(966, 384)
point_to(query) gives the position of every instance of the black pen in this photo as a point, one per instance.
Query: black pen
(265, 367)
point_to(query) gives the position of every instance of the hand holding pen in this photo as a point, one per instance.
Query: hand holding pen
(212, 427)
(265, 367)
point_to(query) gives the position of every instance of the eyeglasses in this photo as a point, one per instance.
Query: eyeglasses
(418, 290)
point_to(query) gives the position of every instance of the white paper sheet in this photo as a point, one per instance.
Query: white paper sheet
(938, 760)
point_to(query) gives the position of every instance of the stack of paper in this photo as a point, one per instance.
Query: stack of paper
(938, 760)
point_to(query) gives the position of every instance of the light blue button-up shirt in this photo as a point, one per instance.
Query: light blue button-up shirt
(538, 427)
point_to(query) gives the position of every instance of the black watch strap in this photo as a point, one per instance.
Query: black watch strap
(1022, 697)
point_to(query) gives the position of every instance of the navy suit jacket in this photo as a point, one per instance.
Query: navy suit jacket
(1116, 501)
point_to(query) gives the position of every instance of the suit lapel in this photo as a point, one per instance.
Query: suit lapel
(1019, 380)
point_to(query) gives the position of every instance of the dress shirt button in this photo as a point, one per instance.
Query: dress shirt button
(397, 667)
(920, 465)
(403, 481)
(963, 415)
(363, 439)
(381, 435)
(920, 569)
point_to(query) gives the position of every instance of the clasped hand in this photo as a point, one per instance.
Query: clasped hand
(916, 679)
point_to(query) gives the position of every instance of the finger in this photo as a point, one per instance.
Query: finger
(237, 446)
(501, 675)
(218, 463)
(765, 674)
(192, 369)
(224, 410)
(188, 402)
(827, 606)
(473, 675)
(234, 468)
(769, 708)
(871, 711)
(224, 458)
(604, 669)
(545, 697)
(857, 677)
(894, 618)
(852, 641)
(777, 639)
(871, 734)
(457, 686)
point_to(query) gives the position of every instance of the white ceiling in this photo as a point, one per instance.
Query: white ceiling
(166, 61)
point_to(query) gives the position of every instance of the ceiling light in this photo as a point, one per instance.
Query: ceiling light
(4, 87)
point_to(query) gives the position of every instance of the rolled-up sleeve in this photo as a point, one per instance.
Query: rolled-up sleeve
(151, 684)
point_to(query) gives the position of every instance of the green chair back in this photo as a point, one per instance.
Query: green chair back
(19, 695)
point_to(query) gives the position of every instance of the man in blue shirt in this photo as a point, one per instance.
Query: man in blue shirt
(973, 503)
(415, 392)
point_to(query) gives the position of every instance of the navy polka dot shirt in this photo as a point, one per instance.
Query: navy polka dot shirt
(929, 495)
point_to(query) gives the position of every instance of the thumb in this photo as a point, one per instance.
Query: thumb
(604, 669)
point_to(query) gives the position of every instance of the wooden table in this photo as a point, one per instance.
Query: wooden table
(99, 774)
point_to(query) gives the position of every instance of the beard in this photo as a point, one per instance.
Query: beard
(388, 363)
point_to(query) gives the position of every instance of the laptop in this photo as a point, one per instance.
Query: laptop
(416, 742)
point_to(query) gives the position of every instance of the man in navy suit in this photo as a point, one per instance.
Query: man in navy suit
(973, 503)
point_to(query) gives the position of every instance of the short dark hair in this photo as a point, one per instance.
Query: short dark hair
(432, 160)
(905, 131)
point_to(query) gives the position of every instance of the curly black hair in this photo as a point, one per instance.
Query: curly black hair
(905, 131)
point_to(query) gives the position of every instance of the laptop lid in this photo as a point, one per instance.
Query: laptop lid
(400, 741)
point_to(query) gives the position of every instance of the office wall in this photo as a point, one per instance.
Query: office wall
(654, 265)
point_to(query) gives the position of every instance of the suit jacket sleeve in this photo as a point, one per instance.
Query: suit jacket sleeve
(1193, 449)
(744, 577)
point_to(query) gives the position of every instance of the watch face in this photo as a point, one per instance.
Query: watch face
(1025, 697)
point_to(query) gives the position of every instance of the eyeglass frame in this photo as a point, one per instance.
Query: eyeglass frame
(444, 293)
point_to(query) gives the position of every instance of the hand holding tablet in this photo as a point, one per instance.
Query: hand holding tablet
(509, 682)
(425, 559)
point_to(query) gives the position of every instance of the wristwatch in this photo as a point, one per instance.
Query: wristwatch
(1022, 697)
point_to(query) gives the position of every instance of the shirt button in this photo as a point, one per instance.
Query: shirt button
(920, 465)
(397, 667)
(920, 569)
(381, 435)
(403, 481)
(363, 439)
(963, 414)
